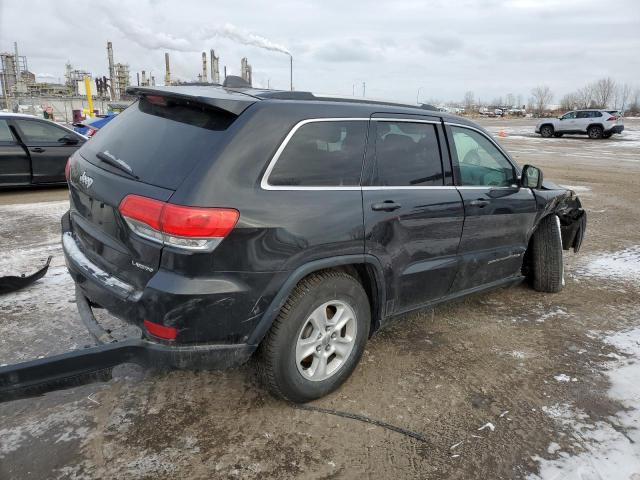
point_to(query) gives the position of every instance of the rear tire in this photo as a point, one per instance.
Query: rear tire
(595, 132)
(317, 305)
(546, 269)
(546, 131)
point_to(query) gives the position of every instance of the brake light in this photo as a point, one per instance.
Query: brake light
(160, 331)
(191, 228)
(611, 119)
(67, 169)
(92, 132)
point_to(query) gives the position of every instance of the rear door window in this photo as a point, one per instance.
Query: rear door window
(160, 139)
(323, 153)
(407, 154)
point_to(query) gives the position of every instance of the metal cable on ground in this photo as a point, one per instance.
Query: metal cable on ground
(362, 418)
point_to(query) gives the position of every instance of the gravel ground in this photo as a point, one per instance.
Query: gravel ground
(509, 384)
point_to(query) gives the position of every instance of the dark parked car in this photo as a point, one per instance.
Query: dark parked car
(227, 223)
(34, 151)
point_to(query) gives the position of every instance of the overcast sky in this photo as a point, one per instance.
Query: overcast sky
(441, 48)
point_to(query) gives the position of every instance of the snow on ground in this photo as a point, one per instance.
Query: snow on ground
(609, 450)
(577, 188)
(623, 265)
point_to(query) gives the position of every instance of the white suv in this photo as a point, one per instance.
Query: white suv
(595, 123)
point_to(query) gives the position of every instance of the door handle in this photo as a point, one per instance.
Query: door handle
(386, 206)
(480, 202)
(37, 149)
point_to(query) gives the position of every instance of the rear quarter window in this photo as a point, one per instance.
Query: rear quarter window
(324, 153)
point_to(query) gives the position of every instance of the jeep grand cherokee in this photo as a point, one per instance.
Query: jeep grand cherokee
(231, 223)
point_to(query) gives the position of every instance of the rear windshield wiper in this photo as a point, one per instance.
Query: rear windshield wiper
(106, 157)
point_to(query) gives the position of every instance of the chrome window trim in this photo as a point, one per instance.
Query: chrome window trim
(409, 187)
(405, 120)
(264, 183)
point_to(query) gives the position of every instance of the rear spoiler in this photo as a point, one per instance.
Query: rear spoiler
(215, 96)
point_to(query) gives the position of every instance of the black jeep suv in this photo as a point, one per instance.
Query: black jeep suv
(232, 222)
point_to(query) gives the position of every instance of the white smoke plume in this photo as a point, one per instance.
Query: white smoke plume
(244, 37)
(151, 39)
(194, 42)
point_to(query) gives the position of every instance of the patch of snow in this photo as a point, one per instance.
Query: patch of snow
(554, 313)
(609, 449)
(565, 378)
(577, 188)
(622, 265)
(488, 425)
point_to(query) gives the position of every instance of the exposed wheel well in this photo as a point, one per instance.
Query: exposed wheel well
(595, 125)
(548, 125)
(365, 274)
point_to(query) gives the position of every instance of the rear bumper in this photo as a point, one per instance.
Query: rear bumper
(158, 355)
(616, 129)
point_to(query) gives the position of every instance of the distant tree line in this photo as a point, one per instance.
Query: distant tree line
(604, 93)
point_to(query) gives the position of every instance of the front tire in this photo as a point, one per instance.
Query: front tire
(595, 132)
(546, 269)
(546, 131)
(317, 339)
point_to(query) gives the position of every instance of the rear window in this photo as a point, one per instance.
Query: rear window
(160, 140)
(327, 153)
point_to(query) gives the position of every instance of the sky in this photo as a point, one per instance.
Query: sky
(404, 50)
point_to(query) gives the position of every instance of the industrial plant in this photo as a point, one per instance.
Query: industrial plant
(69, 100)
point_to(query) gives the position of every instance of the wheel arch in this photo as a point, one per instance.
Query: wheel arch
(595, 124)
(366, 268)
(548, 124)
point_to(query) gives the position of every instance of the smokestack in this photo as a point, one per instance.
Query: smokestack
(245, 70)
(144, 79)
(112, 76)
(215, 70)
(153, 81)
(167, 71)
(225, 72)
(204, 66)
(138, 78)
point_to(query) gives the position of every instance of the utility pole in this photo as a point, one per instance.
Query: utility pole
(364, 88)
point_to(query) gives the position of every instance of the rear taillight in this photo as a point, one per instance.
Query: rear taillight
(611, 119)
(91, 132)
(191, 228)
(67, 169)
(160, 331)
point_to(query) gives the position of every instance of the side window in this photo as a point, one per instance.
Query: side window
(5, 132)
(583, 115)
(322, 154)
(596, 114)
(479, 162)
(569, 116)
(36, 131)
(407, 154)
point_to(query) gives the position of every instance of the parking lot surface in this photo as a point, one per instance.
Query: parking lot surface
(509, 384)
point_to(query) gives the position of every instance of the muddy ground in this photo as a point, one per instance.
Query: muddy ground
(510, 359)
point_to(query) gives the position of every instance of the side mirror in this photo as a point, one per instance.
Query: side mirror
(531, 177)
(69, 140)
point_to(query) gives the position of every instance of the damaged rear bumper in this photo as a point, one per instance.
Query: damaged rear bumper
(82, 366)
(165, 355)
